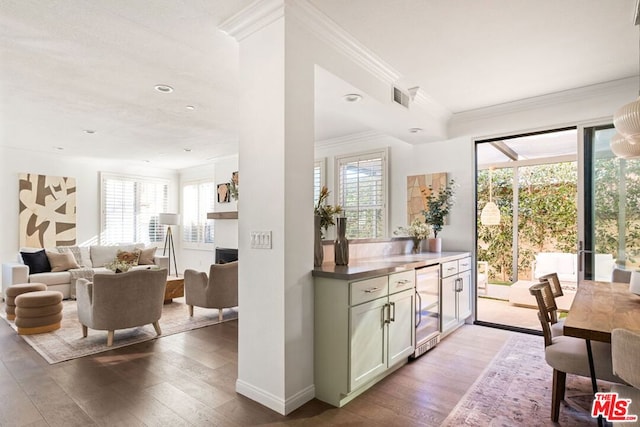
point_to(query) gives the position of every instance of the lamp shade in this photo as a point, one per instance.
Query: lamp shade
(623, 148)
(169, 218)
(490, 214)
(627, 121)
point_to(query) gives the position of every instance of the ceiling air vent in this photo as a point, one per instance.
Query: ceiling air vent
(400, 97)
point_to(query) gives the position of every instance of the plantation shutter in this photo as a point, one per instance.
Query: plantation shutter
(206, 204)
(319, 167)
(198, 200)
(362, 193)
(130, 207)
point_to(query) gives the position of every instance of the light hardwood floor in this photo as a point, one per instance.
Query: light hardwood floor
(189, 379)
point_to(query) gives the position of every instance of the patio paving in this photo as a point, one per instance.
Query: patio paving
(505, 313)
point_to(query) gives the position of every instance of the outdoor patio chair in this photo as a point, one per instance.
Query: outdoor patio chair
(567, 355)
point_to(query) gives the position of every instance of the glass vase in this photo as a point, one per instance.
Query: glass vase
(318, 250)
(341, 244)
(416, 246)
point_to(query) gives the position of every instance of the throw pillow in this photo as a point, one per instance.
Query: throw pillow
(129, 257)
(36, 261)
(61, 261)
(147, 255)
(75, 250)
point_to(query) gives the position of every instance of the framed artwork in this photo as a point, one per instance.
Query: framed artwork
(47, 215)
(418, 190)
(224, 193)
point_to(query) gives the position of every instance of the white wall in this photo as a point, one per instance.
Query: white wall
(84, 170)
(225, 230)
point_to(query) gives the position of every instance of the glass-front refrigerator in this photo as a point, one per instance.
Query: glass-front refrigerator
(427, 308)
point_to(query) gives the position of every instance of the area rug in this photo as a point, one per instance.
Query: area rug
(515, 390)
(67, 342)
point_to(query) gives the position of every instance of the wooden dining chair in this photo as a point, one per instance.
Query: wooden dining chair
(557, 324)
(625, 347)
(567, 355)
(620, 275)
(554, 282)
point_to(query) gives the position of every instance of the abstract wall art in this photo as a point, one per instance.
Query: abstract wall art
(47, 211)
(418, 189)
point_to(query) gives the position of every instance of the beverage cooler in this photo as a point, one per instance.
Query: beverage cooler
(427, 308)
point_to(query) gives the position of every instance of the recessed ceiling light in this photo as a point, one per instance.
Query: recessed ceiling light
(90, 131)
(163, 88)
(188, 150)
(415, 130)
(147, 161)
(352, 97)
(190, 107)
(59, 148)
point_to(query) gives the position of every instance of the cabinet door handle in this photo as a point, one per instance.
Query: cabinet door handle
(385, 314)
(419, 301)
(392, 317)
(371, 290)
(461, 284)
(403, 282)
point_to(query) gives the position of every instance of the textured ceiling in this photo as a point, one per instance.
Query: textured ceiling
(67, 67)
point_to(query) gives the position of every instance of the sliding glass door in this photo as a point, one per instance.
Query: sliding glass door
(567, 205)
(610, 220)
(533, 179)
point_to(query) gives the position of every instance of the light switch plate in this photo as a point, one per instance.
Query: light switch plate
(261, 239)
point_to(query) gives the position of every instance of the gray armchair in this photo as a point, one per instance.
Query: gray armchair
(120, 301)
(219, 290)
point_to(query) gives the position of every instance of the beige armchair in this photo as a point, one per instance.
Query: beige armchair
(219, 290)
(120, 301)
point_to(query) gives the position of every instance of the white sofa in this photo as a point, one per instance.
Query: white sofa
(566, 266)
(92, 257)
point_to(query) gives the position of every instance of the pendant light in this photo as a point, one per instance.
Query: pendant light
(490, 214)
(626, 142)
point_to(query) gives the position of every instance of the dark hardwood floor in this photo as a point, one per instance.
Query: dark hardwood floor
(189, 379)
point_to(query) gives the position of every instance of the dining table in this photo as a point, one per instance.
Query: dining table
(597, 309)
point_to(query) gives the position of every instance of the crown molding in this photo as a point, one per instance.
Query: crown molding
(629, 84)
(254, 17)
(328, 31)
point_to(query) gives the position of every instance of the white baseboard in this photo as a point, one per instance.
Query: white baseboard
(274, 402)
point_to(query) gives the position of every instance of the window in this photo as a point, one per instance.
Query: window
(361, 191)
(319, 168)
(197, 200)
(130, 208)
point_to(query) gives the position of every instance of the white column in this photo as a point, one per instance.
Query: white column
(275, 343)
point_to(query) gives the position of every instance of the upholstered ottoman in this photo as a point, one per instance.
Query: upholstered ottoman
(14, 290)
(38, 312)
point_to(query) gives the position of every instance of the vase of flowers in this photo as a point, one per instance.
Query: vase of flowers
(324, 217)
(438, 204)
(418, 230)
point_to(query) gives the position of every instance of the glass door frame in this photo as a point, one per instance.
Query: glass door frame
(586, 193)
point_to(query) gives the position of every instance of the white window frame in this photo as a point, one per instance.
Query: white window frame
(383, 154)
(137, 209)
(203, 221)
(321, 166)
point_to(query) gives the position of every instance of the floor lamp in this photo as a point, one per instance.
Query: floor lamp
(170, 219)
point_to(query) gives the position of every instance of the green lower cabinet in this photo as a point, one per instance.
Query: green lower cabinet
(362, 333)
(368, 342)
